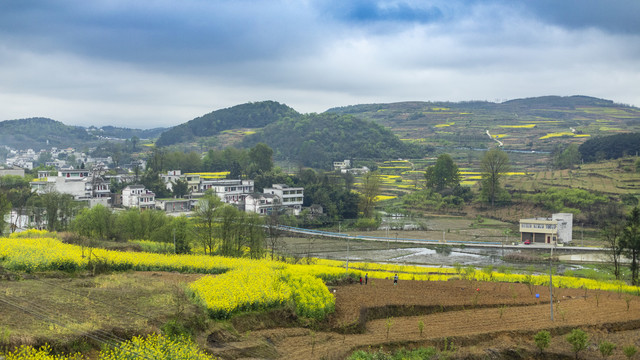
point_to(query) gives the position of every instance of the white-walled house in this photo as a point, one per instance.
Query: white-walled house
(341, 165)
(78, 183)
(171, 177)
(291, 197)
(136, 196)
(262, 204)
(555, 230)
(75, 186)
(228, 190)
(174, 205)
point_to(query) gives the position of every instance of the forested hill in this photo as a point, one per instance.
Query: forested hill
(316, 140)
(610, 147)
(41, 133)
(251, 115)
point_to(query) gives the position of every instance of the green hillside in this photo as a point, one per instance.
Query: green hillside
(40, 133)
(251, 115)
(317, 140)
(524, 124)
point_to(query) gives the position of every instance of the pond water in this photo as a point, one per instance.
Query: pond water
(444, 256)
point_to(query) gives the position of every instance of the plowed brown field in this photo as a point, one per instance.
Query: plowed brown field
(482, 320)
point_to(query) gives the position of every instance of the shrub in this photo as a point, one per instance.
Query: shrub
(606, 349)
(579, 340)
(629, 351)
(542, 340)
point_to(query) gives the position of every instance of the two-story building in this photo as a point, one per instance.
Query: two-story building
(263, 204)
(170, 178)
(554, 230)
(290, 197)
(345, 167)
(66, 182)
(193, 182)
(136, 196)
(228, 190)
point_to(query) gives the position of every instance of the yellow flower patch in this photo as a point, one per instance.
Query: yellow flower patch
(526, 126)
(557, 134)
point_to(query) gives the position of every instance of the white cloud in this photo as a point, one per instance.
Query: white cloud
(167, 72)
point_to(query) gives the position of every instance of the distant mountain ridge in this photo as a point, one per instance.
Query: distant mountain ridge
(125, 133)
(43, 133)
(536, 123)
(529, 124)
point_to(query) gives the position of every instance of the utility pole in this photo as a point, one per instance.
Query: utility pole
(551, 284)
(347, 254)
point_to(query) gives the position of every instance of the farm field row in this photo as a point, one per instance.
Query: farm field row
(473, 317)
(238, 285)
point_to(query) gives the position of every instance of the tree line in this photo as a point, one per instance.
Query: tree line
(610, 147)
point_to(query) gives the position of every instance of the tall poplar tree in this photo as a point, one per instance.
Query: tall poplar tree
(630, 241)
(370, 190)
(495, 164)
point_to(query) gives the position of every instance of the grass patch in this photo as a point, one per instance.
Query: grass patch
(124, 304)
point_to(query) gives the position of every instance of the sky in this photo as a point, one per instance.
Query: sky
(160, 63)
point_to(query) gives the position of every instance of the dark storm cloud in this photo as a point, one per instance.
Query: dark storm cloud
(188, 32)
(618, 16)
(167, 61)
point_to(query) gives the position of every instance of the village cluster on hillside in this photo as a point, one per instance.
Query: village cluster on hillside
(92, 184)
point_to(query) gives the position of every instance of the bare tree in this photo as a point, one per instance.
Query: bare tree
(495, 164)
(370, 190)
(611, 221)
(274, 232)
(205, 213)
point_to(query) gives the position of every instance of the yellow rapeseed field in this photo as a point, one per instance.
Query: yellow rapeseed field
(153, 346)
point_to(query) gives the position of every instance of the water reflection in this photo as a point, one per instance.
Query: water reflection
(448, 256)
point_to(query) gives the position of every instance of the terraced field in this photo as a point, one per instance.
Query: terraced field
(477, 319)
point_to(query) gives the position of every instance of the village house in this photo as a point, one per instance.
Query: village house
(228, 190)
(263, 204)
(291, 198)
(555, 230)
(174, 205)
(136, 196)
